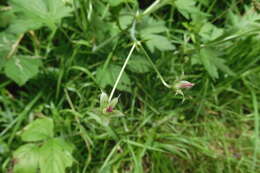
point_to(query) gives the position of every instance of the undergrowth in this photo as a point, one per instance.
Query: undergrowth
(129, 86)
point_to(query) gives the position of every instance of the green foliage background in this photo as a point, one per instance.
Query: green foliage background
(57, 56)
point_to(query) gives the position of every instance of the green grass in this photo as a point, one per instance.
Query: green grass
(216, 128)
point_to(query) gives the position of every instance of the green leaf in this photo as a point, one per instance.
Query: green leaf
(209, 58)
(204, 2)
(26, 159)
(205, 56)
(5, 18)
(4, 147)
(20, 25)
(246, 22)
(124, 19)
(6, 42)
(37, 130)
(150, 30)
(117, 2)
(107, 76)
(220, 64)
(33, 14)
(151, 26)
(139, 64)
(210, 32)
(187, 7)
(55, 156)
(159, 42)
(22, 68)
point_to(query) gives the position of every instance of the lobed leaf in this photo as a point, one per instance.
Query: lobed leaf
(150, 32)
(22, 68)
(40, 129)
(33, 14)
(55, 156)
(26, 159)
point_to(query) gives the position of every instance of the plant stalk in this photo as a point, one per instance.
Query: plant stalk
(121, 72)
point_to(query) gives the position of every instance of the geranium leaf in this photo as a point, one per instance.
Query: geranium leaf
(37, 130)
(55, 156)
(26, 159)
(22, 68)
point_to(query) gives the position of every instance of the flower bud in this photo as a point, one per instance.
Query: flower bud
(109, 109)
(184, 84)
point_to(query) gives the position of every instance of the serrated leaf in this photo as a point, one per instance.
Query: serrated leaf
(209, 58)
(243, 22)
(37, 130)
(22, 68)
(205, 57)
(26, 159)
(39, 12)
(220, 64)
(139, 64)
(159, 42)
(150, 32)
(55, 156)
(107, 76)
(152, 26)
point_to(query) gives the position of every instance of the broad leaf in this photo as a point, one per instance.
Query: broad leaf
(22, 68)
(107, 76)
(139, 64)
(37, 130)
(55, 156)
(38, 13)
(6, 42)
(26, 159)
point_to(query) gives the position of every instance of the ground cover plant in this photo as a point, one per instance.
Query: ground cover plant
(164, 86)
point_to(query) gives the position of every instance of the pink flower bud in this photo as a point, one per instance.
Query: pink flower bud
(184, 84)
(109, 109)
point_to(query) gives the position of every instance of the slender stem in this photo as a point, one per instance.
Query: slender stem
(121, 72)
(156, 70)
(151, 7)
(256, 130)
